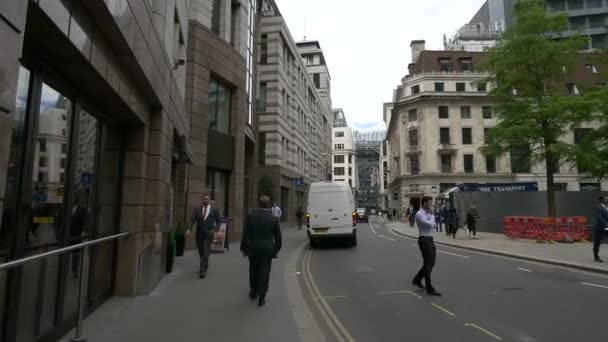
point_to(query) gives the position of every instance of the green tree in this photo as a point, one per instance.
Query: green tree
(534, 109)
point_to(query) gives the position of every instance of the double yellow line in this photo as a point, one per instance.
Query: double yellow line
(333, 323)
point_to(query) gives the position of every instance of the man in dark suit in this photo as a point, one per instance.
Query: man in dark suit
(601, 223)
(207, 220)
(261, 242)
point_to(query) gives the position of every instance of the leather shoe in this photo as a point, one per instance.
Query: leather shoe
(202, 274)
(253, 295)
(434, 292)
(598, 259)
(418, 283)
(261, 301)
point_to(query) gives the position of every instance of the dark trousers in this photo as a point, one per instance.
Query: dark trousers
(451, 229)
(203, 243)
(429, 252)
(472, 228)
(598, 234)
(439, 229)
(259, 274)
(300, 222)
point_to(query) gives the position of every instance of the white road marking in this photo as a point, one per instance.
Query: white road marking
(458, 255)
(524, 269)
(334, 297)
(595, 285)
(392, 292)
(384, 237)
(414, 245)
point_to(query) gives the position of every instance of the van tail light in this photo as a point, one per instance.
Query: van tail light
(307, 220)
(354, 218)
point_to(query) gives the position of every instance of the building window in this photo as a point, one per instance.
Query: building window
(591, 68)
(350, 171)
(446, 163)
(590, 187)
(579, 136)
(465, 112)
(594, 3)
(64, 148)
(413, 137)
(316, 78)
(42, 143)
(486, 112)
(264, 49)
(487, 138)
(444, 112)
(575, 4)
(467, 136)
(520, 159)
(339, 159)
(414, 165)
(468, 163)
(444, 135)
(577, 23)
(262, 97)
(63, 163)
(338, 171)
(572, 89)
(415, 89)
(465, 65)
(460, 86)
(412, 115)
(599, 41)
(439, 86)
(215, 16)
(338, 146)
(444, 65)
(262, 149)
(482, 86)
(43, 162)
(490, 164)
(557, 5)
(63, 132)
(43, 177)
(339, 134)
(62, 177)
(596, 21)
(219, 107)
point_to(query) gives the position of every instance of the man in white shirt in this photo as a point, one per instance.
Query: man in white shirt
(425, 220)
(276, 211)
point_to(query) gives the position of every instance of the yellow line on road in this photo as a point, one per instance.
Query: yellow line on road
(485, 331)
(443, 309)
(332, 321)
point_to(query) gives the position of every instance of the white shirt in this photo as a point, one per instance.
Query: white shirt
(205, 210)
(426, 222)
(276, 212)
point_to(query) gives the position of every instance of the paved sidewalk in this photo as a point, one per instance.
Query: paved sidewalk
(576, 255)
(217, 308)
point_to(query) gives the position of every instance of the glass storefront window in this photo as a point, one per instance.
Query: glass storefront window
(219, 107)
(217, 186)
(48, 190)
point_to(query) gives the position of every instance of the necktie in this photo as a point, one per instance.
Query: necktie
(204, 213)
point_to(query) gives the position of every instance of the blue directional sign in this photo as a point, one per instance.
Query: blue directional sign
(300, 181)
(86, 178)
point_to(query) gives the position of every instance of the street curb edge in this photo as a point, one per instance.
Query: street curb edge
(515, 256)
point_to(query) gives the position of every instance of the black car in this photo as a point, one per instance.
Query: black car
(362, 215)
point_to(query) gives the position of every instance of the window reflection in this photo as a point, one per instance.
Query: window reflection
(14, 160)
(219, 107)
(48, 190)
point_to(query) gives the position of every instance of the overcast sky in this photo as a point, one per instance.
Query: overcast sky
(366, 43)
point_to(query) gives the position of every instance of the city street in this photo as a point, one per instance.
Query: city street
(367, 294)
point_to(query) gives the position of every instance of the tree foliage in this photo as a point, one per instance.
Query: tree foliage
(528, 70)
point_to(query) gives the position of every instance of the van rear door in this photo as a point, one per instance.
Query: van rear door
(330, 210)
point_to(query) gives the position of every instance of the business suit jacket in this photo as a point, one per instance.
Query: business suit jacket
(601, 218)
(207, 227)
(262, 234)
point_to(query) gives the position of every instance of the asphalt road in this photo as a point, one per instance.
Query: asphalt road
(485, 298)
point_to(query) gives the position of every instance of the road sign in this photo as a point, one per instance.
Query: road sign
(300, 181)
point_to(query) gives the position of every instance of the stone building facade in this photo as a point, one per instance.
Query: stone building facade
(441, 117)
(294, 120)
(344, 161)
(116, 116)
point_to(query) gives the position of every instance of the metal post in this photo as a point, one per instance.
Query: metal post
(81, 292)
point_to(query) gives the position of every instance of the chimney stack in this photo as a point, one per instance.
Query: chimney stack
(417, 47)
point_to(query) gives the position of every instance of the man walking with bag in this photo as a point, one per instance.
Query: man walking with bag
(261, 242)
(426, 226)
(207, 220)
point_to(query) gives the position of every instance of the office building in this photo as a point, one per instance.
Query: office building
(344, 161)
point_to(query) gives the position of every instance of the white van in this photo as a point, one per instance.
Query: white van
(331, 212)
